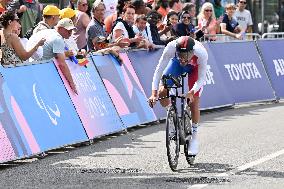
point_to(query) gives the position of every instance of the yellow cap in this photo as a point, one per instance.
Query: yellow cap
(67, 13)
(51, 10)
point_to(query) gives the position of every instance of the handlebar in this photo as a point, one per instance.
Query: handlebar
(176, 80)
(170, 77)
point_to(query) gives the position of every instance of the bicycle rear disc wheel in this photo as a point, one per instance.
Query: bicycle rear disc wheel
(189, 158)
(172, 138)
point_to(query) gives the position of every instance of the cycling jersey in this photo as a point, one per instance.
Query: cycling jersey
(169, 53)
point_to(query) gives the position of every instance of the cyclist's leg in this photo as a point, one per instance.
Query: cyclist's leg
(175, 69)
(195, 112)
(162, 93)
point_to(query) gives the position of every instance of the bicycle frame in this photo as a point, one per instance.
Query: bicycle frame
(182, 127)
(173, 98)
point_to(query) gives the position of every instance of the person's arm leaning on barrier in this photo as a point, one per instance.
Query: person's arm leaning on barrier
(65, 70)
(226, 32)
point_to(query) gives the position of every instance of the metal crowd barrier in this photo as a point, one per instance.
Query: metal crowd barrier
(273, 35)
(223, 37)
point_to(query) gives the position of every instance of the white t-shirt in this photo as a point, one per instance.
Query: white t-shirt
(244, 19)
(54, 43)
(119, 26)
(169, 52)
(36, 56)
(145, 34)
(71, 45)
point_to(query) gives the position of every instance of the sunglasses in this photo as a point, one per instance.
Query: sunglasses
(208, 10)
(85, 4)
(186, 17)
(242, 2)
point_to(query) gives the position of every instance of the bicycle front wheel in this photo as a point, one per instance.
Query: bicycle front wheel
(172, 138)
(187, 127)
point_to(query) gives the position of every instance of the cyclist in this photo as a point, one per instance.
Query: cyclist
(183, 55)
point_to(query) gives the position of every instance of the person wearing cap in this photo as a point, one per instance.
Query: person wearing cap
(50, 18)
(54, 46)
(70, 42)
(68, 13)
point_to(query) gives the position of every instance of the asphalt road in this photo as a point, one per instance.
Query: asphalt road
(240, 148)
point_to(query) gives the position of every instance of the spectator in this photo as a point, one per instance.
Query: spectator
(95, 28)
(153, 18)
(174, 6)
(163, 8)
(243, 16)
(110, 7)
(29, 12)
(82, 21)
(110, 20)
(152, 4)
(191, 9)
(68, 13)
(207, 21)
(12, 49)
(123, 27)
(50, 18)
(71, 45)
(54, 47)
(218, 9)
(37, 55)
(185, 27)
(3, 5)
(141, 28)
(72, 4)
(140, 7)
(229, 25)
(171, 22)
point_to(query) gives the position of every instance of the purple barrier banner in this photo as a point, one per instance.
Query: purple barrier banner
(124, 89)
(42, 116)
(274, 63)
(144, 64)
(93, 104)
(215, 93)
(242, 71)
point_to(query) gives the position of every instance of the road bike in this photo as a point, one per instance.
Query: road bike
(178, 121)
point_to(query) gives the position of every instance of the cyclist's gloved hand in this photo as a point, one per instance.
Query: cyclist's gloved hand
(152, 100)
(189, 96)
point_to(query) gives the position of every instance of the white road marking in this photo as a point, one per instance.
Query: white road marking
(244, 167)
(261, 160)
(198, 186)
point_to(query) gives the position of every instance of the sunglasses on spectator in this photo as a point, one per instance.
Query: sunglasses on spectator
(85, 4)
(242, 2)
(208, 10)
(186, 17)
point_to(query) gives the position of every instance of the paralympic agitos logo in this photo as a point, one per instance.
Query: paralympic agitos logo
(52, 113)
